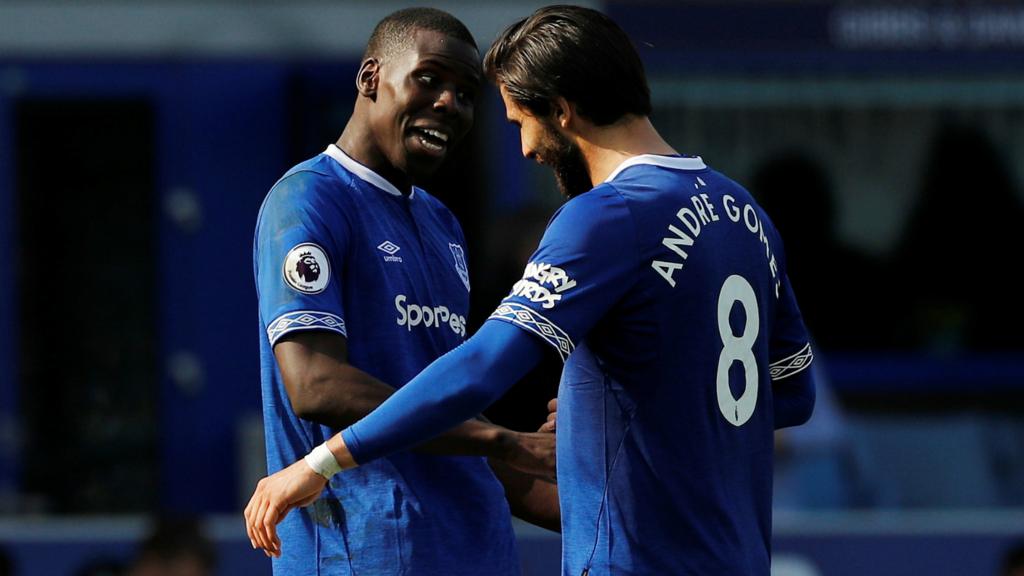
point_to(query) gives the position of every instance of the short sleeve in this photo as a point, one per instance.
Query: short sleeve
(298, 258)
(789, 350)
(587, 260)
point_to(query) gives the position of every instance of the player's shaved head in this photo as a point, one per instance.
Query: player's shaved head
(395, 32)
(573, 52)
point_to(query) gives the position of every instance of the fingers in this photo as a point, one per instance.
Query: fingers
(252, 515)
(257, 523)
(247, 516)
(261, 518)
(267, 526)
(270, 526)
(273, 498)
(551, 424)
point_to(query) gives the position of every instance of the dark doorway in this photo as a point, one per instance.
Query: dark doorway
(86, 287)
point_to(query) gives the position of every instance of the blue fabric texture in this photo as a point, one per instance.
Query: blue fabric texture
(338, 249)
(664, 289)
(474, 375)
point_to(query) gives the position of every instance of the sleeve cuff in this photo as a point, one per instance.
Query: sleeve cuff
(792, 364)
(531, 321)
(352, 444)
(304, 320)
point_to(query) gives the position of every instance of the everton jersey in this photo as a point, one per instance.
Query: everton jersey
(339, 249)
(665, 291)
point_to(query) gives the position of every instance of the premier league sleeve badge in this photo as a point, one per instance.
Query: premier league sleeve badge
(307, 269)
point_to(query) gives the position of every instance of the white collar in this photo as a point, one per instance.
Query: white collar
(674, 162)
(365, 173)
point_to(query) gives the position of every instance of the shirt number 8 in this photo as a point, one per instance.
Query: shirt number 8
(737, 349)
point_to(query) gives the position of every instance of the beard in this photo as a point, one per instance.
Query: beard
(566, 160)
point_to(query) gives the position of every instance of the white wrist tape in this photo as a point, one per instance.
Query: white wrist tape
(322, 461)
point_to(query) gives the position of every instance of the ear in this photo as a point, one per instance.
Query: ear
(368, 78)
(563, 112)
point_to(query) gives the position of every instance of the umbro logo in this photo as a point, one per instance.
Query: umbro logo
(390, 249)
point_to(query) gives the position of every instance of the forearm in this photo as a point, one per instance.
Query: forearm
(456, 386)
(350, 394)
(530, 498)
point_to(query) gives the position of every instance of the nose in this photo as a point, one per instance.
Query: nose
(446, 101)
(528, 152)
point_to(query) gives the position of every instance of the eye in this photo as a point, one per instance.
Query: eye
(427, 79)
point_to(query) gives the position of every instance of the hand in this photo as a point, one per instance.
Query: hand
(295, 486)
(549, 426)
(533, 453)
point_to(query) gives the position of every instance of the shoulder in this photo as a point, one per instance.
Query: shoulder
(307, 181)
(308, 188)
(599, 207)
(597, 222)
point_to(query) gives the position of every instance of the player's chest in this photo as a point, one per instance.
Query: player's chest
(407, 251)
(411, 275)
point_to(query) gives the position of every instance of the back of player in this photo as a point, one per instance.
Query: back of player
(675, 281)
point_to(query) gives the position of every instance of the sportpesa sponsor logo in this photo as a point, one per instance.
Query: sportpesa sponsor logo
(410, 315)
(543, 283)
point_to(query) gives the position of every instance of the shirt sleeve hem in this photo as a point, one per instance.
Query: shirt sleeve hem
(792, 364)
(352, 444)
(304, 320)
(535, 323)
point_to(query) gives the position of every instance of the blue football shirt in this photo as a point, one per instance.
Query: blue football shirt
(338, 248)
(665, 291)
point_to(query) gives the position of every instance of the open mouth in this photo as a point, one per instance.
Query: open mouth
(432, 140)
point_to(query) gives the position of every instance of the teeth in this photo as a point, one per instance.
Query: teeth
(430, 145)
(439, 135)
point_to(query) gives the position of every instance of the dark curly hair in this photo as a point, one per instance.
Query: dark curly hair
(573, 52)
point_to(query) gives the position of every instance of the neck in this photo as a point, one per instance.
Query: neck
(358, 142)
(605, 147)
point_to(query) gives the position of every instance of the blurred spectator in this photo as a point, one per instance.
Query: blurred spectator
(961, 238)
(175, 548)
(814, 464)
(1013, 561)
(836, 285)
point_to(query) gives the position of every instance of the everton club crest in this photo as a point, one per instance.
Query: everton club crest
(460, 263)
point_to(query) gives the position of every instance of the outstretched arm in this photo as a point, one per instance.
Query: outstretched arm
(455, 387)
(324, 388)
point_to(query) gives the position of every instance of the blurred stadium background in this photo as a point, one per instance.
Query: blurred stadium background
(137, 140)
